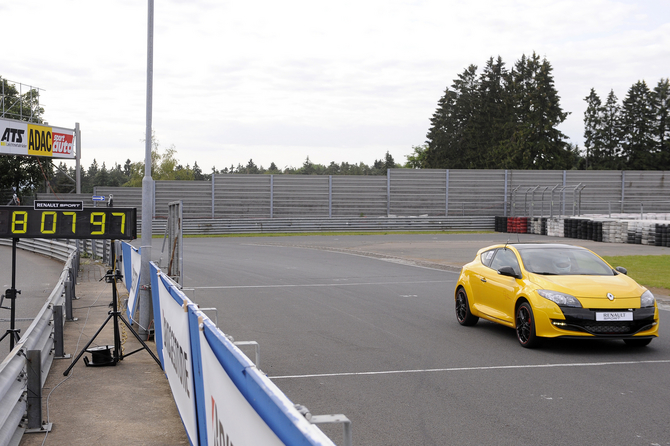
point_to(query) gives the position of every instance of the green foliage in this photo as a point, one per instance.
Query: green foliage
(499, 119)
(417, 159)
(632, 136)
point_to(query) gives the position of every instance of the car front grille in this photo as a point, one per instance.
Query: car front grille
(582, 319)
(612, 327)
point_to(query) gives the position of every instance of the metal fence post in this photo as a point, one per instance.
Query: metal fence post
(623, 189)
(272, 195)
(59, 351)
(213, 177)
(69, 295)
(446, 194)
(34, 370)
(388, 192)
(330, 196)
(505, 197)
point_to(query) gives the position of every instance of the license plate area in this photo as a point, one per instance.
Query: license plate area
(606, 316)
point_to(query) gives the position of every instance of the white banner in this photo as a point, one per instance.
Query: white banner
(230, 417)
(177, 363)
(26, 138)
(136, 265)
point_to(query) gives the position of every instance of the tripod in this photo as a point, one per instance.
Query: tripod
(114, 314)
(10, 294)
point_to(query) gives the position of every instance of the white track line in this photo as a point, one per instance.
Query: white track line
(466, 369)
(227, 287)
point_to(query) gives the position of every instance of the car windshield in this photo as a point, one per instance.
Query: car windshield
(563, 261)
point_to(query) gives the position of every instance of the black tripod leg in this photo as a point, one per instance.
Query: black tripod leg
(83, 350)
(146, 347)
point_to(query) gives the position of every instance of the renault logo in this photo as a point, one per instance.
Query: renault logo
(610, 296)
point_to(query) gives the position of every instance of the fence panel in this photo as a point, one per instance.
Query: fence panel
(405, 192)
(418, 192)
(300, 195)
(648, 190)
(476, 192)
(357, 195)
(196, 197)
(242, 196)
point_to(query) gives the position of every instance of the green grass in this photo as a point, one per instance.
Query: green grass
(650, 271)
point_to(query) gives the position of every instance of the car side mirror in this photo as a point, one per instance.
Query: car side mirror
(509, 271)
(622, 270)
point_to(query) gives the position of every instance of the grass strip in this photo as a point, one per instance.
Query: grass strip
(650, 271)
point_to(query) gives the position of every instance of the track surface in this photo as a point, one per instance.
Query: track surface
(36, 277)
(364, 326)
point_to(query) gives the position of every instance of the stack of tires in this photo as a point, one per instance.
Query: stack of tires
(501, 224)
(517, 225)
(661, 235)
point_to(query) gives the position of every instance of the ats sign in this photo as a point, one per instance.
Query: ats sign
(24, 138)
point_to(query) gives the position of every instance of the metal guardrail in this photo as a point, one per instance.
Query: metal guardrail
(218, 226)
(40, 340)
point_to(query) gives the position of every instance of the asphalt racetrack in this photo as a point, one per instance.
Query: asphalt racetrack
(36, 277)
(365, 326)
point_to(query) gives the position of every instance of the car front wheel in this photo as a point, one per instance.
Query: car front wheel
(525, 326)
(463, 314)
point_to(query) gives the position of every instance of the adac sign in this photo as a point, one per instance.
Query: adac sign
(23, 138)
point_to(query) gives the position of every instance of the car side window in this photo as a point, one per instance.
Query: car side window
(487, 257)
(505, 257)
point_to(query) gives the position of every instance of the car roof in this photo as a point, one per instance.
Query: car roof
(544, 246)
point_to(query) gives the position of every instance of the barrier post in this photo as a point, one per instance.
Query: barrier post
(34, 371)
(334, 419)
(59, 351)
(68, 300)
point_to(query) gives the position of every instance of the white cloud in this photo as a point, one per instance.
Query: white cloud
(335, 81)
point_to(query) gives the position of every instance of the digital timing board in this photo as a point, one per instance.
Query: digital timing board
(73, 223)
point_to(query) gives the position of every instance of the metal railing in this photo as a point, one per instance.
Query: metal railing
(207, 226)
(24, 371)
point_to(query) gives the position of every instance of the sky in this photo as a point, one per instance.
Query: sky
(272, 81)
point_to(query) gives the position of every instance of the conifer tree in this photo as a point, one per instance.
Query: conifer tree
(637, 145)
(661, 128)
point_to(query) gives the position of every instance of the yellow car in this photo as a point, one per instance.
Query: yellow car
(554, 290)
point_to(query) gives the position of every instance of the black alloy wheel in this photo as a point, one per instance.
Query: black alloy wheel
(525, 326)
(463, 314)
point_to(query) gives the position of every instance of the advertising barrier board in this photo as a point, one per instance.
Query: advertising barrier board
(222, 397)
(27, 138)
(174, 346)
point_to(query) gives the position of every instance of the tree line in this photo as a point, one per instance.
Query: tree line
(508, 119)
(165, 166)
(499, 118)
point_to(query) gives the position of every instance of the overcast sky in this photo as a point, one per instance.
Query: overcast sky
(278, 81)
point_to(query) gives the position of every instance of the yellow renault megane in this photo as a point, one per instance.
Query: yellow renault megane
(554, 290)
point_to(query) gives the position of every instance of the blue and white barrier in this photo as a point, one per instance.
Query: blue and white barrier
(220, 394)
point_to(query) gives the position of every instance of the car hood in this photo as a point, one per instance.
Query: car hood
(589, 286)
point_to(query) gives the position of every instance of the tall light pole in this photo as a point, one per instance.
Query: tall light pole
(146, 307)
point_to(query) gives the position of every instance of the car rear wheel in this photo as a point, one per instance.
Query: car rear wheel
(525, 326)
(463, 314)
(637, 342)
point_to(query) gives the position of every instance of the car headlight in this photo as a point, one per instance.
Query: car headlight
(647, 299)
(561, 299)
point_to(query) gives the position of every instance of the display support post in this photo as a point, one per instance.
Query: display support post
(112, 277)
(10, 294)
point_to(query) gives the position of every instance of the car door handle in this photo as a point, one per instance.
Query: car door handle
(483, 279)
